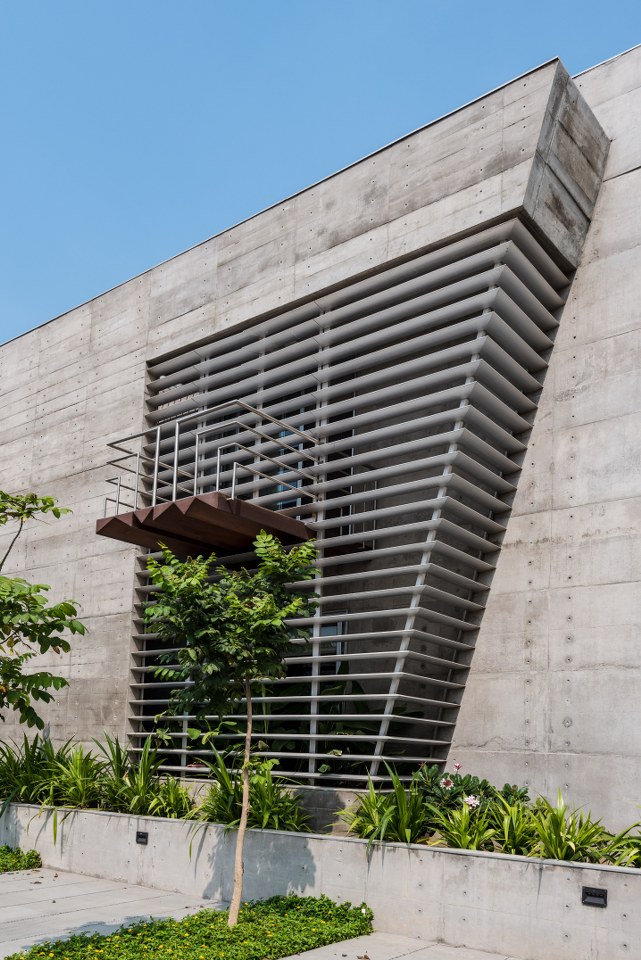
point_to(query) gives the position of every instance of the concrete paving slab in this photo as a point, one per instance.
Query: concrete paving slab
(46, 904)
(390, 946)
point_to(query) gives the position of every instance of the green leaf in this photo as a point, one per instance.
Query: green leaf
(29, 626)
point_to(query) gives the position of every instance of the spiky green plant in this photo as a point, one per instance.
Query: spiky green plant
(114, 778)
(368, 816)
(74, 780)
(172, 800)
(564, 834)
(137, 787)
(377, 816)
(463, 828)
(271, 804)
(27, 771)
(513, 823)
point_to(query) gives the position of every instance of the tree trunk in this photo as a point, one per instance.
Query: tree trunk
(234, 907)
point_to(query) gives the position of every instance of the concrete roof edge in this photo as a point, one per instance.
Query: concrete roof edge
(617, 56)
(286, 199)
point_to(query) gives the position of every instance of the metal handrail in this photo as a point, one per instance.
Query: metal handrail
(170, 461)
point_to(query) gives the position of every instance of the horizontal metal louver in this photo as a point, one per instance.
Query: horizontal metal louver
(419, 386)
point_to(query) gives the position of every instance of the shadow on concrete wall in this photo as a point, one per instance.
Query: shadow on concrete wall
(274, 863)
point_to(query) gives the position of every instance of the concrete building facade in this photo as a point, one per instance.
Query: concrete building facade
(391, 333)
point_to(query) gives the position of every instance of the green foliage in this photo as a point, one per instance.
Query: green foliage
(74, 780)
(624, 849)
(72, 776)
(275, 928)
(230, 630)
(15, 859)
(26, 771)
(378, 816)
(137, 787)
(28, 625)
(271, 805)
(114, 776)
(564, 834)
(463, 828)
(465, 812)
(447, 790)
(229, 624)
(173, 800)
(21, 508)
(513, 823)
(513, 793)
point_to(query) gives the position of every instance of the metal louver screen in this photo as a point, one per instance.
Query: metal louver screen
(420, 385)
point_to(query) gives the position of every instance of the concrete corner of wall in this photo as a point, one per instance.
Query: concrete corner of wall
(567, 169)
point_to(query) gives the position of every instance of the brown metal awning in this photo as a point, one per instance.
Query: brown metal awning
(194, 524)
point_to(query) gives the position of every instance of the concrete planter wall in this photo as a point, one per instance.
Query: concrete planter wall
(525, 908)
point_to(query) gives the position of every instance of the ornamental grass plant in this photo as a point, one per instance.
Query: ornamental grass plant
(267, 930)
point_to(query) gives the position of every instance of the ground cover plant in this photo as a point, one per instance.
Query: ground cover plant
(14, 859)
(461, 811)
(265, 930)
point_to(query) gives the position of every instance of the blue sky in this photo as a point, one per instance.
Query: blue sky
(134, 129)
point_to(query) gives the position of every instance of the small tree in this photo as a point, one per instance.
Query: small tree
(28, 626)
(231, 630)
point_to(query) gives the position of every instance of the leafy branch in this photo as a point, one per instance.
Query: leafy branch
(29, 626)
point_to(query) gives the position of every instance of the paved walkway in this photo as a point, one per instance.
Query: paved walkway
(391, 946)
(45, 904)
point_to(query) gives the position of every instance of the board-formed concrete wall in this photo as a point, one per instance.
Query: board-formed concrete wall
(554, 694)
(74, 384)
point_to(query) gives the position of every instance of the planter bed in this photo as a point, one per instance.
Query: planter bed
(496, 902)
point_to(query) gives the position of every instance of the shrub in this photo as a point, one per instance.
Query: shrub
(26, 772)
(378, 816)
(564, 834)
(272, 805)
(74, 779)
(15, 859)
(138, 788)
(514, 826)
(463, 828)
(447, 790)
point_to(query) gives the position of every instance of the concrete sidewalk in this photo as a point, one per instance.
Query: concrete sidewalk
(391, 946)
(45, 904)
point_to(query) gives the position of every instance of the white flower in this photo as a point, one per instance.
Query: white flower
(471, 801)
(446, 783)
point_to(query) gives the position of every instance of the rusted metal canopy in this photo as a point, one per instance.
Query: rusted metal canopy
(194, 524)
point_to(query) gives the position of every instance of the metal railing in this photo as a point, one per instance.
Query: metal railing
(187, 459)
